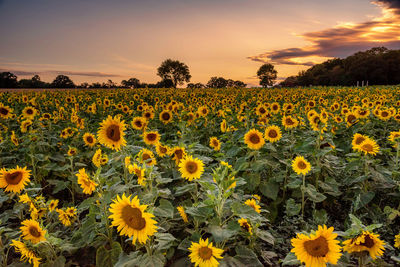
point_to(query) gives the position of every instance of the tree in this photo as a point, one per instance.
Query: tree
(195, 85)
(267, 75)
(131, 83)
(8, 80)
(62, 81)
(175, 71)
(217, 82)
(34, 82)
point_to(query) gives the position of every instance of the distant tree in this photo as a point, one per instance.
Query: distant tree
(34, 82)
(165, 83)
(84, 85)
(175, 71)
(110, 84)
(62, 81)
(95, 85)
(8, 80)
(239, 84)
(290, 81)
(131, 83)
(267, 75)
(217, 82)
(195, 85)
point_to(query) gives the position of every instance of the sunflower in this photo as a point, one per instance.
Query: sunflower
(131, 219)
(72, 151)
(301, 166)
(253, 203)
(394, 138)
(99, 159)
(89, 139)
(32, 231)
(254, 139)
(318, 249)
(5, 112)
(139, 172)
(273, 133)
(68, 216)
(29, 113)
(204, 254)
(162, 150)
(111, 133)
(14, 180)
(289, 122)
(191, 168)
(147, 156)
(26, 253)
(368, 146)
(139, 123)
(366, 241)
(182, 213)
(165, 116)
(223, 126)
(178, 154)
(151, 138)
(215, 143)
(25, 125)
(245, 225)
(357, 140)
(351, 118)
(397, 241)
(53, 204)
(85, 182)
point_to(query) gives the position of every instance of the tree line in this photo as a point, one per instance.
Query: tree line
(378, 66)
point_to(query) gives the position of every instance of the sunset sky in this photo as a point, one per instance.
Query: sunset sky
(96, 40)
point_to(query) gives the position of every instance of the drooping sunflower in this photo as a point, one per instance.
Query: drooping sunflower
(25, 125)
(273, 133)
(215, 143)
(89, 139)
(139, 123)
(254, 139)
(204, 254)
(318, 249)
(253, 203)
(85, 182)
(245, 225)
(366, 241)
(165, 116)
(26, 253)
(147, 156)
(14, 180)
(191, 168)
(53, 204)
(178, 154)
(223, 126)
(301, 166)
(32, 231)
(111, 133)
(151, 138)
(139, 172)
(99, 159)
(131, 219)
(182, 213)
(368, 146)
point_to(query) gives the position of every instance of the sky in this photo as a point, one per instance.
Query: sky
(97, 40)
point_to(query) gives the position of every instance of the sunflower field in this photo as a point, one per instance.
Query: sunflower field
(200, 177)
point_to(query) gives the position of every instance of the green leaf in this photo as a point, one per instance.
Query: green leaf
(313, 194)
(292, 208)
(247, 256)
(164, 240)
(107, 258)
(266, 236)
(220, 234)
(165, 209)
(363, 199)
(269, 189)
(290, 260)
(184, 189)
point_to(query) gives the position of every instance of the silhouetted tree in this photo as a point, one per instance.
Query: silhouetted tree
(217, 82)
(195, 85)
(131, 83)
(267, 75)
(34, 82)
(8, 80)
(62, 81)
(175, 71)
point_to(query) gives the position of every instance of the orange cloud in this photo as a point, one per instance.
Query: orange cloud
(342, 40)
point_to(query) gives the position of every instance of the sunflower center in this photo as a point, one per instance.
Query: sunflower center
(138, 124)
(254, 138)
(163, 149)
(289, 121)
(368, 242)
(359, 140)
(14, 178)
(89, 139)
(133, 218)
(351, 118)
(317, 247)
(29, 111)
(302, 165)
(205, 253)
(384, 114)
(145, 156)
(179, 154)
(272, 134)
(151, 136)
(3, 111)
(191, 167)
(34, 231)
(165, 116)
(215, 142)
(113, 133)
(368, 147)
(262, 110)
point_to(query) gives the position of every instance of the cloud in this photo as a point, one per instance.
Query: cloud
(59, 72)
(342, 40)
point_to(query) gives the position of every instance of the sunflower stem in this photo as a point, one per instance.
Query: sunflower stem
(302, 196)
